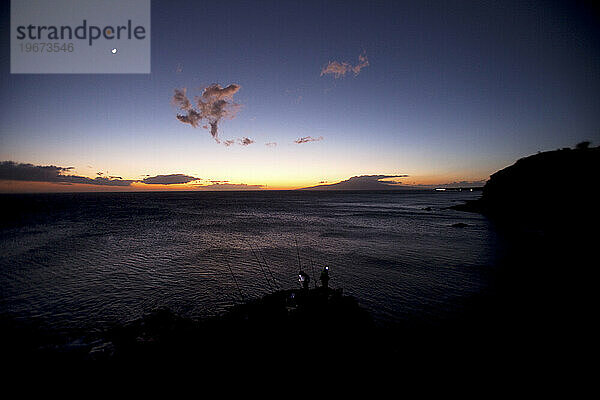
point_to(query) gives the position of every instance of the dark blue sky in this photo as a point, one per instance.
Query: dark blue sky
(453, 91)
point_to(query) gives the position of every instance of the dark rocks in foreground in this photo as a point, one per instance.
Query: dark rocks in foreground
(315, 328)
(291, 322)
(287, 323)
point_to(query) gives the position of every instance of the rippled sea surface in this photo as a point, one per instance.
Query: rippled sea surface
(87, 260)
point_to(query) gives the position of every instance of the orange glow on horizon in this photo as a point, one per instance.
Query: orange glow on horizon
(7, 186)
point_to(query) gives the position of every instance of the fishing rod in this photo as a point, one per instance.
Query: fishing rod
(261, 268)
(298, 252)
(268, 268)
(235, 280)
(312, 267)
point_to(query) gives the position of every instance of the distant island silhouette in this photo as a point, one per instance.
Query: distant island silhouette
(364, 182)
(377, 183)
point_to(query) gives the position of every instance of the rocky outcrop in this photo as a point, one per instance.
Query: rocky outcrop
(553, 187)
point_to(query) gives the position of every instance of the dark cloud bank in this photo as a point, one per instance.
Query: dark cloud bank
(10, 170)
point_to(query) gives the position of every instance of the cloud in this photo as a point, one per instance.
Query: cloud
(340, 69)
(363, 182)
(192, 118)
(172, 179)
(10, 170)
(100, 181)
(13, 171)
(180, 99)
(246, 141)
(212, 106)
(336, 68)
(362, 63)
(216, 92)
(307, 139)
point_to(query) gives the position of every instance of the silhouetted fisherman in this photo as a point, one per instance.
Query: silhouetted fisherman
(325, 277)
(304, 279)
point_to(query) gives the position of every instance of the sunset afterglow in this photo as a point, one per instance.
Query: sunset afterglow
(287, 95)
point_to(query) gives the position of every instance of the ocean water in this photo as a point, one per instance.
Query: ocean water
(89, 260)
